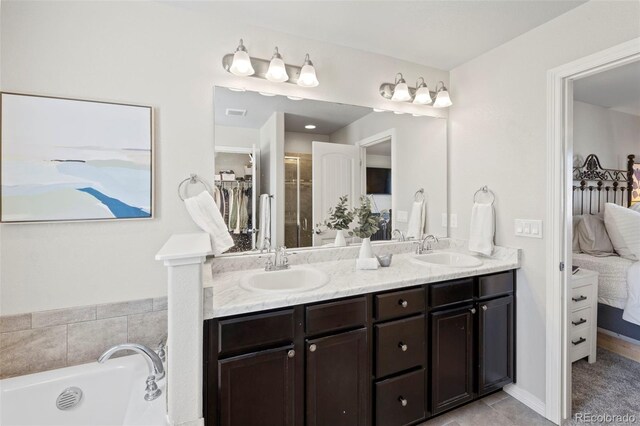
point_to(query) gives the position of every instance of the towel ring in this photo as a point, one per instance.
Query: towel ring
(419, 195)
(484, 190)
(192, 180)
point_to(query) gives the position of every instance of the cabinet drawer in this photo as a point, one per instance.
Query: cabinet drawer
(581, 297)
(581, 319)
(494, 285)
(399, 304)
(336, 315)
(400, 345)
(255, 331)
(401, 400)
(450, 292)
(580, 344)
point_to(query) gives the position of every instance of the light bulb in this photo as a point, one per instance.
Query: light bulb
(295, 98)
(423, 97)
(442, 99)
(241, 64)
(401, 90)
(277, 71)
(378, 110)
(308, 74)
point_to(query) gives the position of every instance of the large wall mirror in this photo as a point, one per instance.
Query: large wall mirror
(281, 164)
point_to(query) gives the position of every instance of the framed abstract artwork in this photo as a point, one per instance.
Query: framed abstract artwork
(74, 160)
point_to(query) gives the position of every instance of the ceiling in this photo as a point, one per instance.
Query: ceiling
(617, 89)
(382, 148)
(328, 117)
(439, 34)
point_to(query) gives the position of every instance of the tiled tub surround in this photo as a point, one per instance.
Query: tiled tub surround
(224, 296)
(47, 340)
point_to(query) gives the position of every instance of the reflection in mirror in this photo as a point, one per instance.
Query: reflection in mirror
(281, 164)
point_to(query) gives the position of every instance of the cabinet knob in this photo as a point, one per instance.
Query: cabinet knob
(403, 347)
(484, 307)
(403, 303)
(472, 310)
(291, 353)
(312, 348)
(403, 401)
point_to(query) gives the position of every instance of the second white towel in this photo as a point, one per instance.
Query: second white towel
(417, 220)
(206, 215)
(482, 229)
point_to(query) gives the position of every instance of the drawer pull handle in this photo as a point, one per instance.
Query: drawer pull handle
(312, 348)
(579, 298)
(403, 401)
(580, 340)
(472, 310)
(403, 347)
(580, 321)
(484, 307)
(403, 303)
(291, 353)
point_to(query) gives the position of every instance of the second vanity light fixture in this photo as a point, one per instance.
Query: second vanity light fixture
(276, 70)
(400, 91)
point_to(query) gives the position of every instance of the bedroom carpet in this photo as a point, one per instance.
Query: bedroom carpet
(609, 386)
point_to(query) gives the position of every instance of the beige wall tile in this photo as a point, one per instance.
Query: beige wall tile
(88, 340)
(119, 309)
(15, 322)
(160, 304)
(148, 329)
(30, 351)
(63, 316)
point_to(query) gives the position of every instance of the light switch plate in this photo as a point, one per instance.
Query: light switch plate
(453, 220)
(402, 216)
(444, 220)
(531, 228)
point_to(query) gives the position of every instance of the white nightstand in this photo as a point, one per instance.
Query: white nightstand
(583, 313)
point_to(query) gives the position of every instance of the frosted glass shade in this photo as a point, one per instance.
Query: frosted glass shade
(442, 99)
(401, 92)
(423, 97)
(308, 76)
(277, 71)
(241, 64)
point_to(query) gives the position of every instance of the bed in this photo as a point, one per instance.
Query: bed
(619, 278)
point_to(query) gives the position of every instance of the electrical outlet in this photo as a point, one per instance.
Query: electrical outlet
(402, 216)
(530, 228)
(453, 222)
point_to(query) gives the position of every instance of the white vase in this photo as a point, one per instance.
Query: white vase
(366, 251)
(340, 241)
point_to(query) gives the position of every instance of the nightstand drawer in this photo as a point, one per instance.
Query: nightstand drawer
(581, 319)
(581, 297)
(580, 344)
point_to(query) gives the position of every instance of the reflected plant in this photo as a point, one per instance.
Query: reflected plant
(339, 216)
(368, 223)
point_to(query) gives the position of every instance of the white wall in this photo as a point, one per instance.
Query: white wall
(272, 172)
(498, 137)
(421, 149)
(236, 136)
(611, 135)
(301, 142)
(167, 55)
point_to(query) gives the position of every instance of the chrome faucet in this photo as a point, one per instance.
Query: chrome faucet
(399, 234)
(266, 245)
(280, 261)
(156, 369)
(420, 245)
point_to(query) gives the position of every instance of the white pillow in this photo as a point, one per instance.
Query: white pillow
(623, 227)
(635, 207)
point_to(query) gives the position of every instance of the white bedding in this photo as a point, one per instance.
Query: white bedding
(618, 282)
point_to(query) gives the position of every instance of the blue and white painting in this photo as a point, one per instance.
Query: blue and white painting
(66, 159)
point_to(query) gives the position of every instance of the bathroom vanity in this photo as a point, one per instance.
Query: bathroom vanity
(384, 358)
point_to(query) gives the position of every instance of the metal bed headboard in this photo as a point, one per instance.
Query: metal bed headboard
(594, 186)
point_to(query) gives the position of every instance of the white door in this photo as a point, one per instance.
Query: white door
(336, 172)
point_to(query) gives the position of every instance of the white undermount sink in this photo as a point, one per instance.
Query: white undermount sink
(292, 280)
(457, 260)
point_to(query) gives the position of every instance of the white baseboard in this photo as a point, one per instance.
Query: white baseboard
(526, 398)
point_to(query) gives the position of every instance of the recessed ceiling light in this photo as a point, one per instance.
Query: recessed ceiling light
(267, 94)
(295, 98)
(378, 110)
(237, 89)
(398, 112)
(310, 126)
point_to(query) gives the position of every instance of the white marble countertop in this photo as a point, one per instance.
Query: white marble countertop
(224, 296)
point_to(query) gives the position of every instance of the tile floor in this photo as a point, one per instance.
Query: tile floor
(498, 409)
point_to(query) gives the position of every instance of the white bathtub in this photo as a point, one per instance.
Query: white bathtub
(113, 394)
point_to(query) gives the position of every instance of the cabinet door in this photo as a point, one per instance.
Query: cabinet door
(495, 344)
(258, 389)
(337, 380)
(451, 358)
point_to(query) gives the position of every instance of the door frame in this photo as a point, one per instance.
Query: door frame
(559, 214)
(386, 135)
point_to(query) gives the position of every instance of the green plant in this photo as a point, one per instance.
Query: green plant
(340, 217)
(367, 222)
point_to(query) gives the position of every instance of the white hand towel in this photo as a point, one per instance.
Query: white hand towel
(417, 220)
(206, 215)
(264, 223)
(482, 229)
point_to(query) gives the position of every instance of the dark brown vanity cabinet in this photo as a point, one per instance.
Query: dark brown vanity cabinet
(393, 358)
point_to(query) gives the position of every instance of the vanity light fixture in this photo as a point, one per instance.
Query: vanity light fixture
(378, 110)
(267, 94)
(310, 126)
(308, 74)
(422, 96)
(295, 98)
(400, 90)
(277, 71)
(237, 89)
(443, 99)
(398, 112)
(241, 63)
